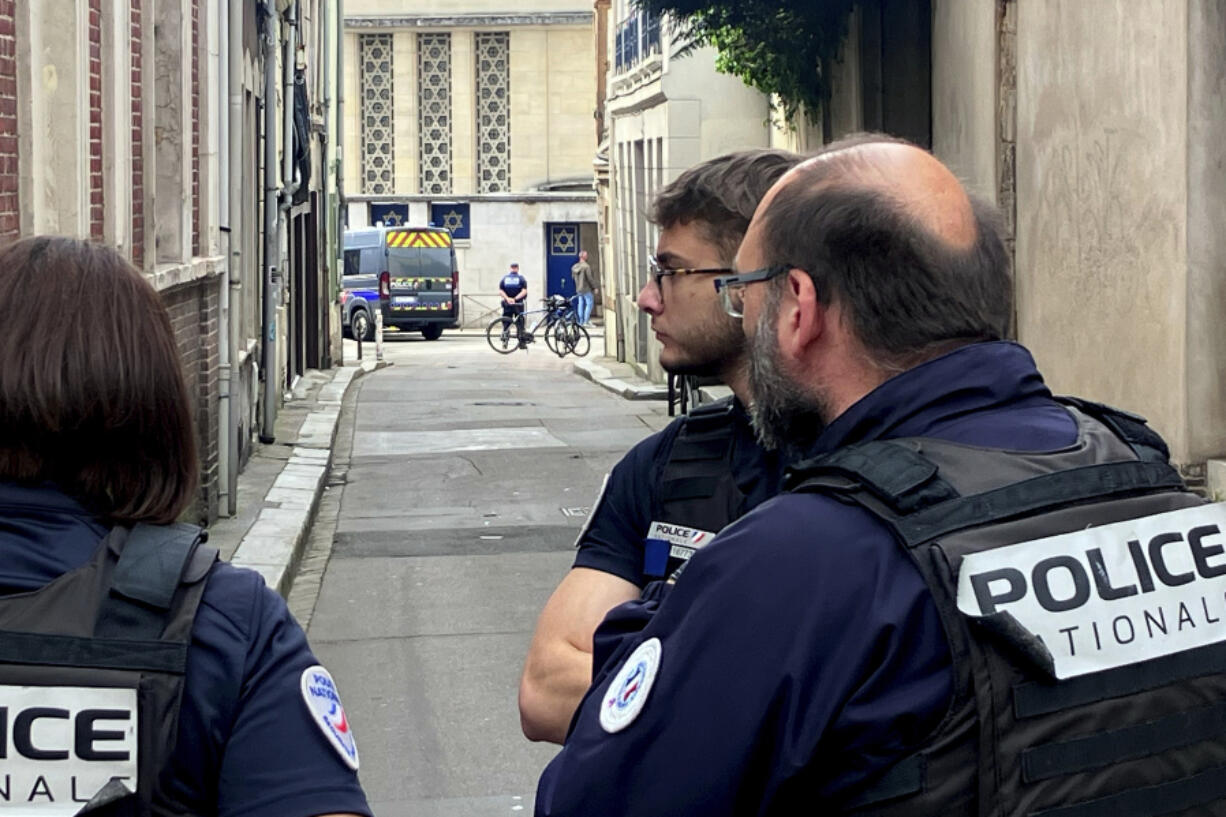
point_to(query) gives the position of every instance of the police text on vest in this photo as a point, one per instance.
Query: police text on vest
(1110, 596)
(60, 745)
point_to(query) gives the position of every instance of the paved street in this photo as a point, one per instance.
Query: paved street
(460, 481)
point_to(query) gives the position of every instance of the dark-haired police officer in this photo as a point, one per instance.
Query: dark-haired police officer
(974, 598)
(138, 674)
(674, 490)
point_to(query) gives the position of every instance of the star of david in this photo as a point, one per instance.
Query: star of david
(453, 220)
(393, 218)
(564, 242)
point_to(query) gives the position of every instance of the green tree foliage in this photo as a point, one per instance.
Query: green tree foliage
(783, 47)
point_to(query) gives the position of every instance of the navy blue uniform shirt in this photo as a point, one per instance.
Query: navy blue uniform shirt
(801, 652)
(613, 540)
(247, 743)
(512, 284)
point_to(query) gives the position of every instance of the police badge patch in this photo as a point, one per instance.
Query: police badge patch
(324, 704)
(627, 695)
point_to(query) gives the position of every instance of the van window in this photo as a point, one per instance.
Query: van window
(366, 261)
(352, 264)
(436, 262)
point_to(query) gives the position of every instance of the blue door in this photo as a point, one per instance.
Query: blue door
(562, 253)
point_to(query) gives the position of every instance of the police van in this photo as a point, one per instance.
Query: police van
(409, 273)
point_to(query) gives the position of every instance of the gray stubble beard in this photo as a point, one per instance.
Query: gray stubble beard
(783, 415)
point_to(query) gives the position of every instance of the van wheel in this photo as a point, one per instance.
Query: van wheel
(361, 326)
(433, 331)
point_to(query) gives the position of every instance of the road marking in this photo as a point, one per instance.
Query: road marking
(374, 443)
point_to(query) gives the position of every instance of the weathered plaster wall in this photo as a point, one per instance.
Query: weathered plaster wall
(1102, 202)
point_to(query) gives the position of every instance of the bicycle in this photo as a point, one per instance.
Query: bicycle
(499, 336)
(566, 335)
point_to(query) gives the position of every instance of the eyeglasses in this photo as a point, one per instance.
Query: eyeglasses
(731, 288)
(658, 272)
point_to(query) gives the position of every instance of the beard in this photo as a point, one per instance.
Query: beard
(711, 351)
(783, 415)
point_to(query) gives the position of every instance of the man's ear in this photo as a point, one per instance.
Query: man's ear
(801, 315)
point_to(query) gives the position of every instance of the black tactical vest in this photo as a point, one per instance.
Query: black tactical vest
(697, 486)
(1147, 738)
(91, 675)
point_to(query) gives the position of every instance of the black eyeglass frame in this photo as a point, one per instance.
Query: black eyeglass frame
(725, 284)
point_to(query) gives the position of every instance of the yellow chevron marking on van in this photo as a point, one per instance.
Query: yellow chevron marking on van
(418, 238)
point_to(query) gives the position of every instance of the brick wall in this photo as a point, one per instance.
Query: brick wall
(194, 311)
(138, 140)
(95, 120)
(195, 127)
(9, 212)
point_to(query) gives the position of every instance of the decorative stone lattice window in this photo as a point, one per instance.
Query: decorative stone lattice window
(434, 112)
(493, 112)
(378, 156)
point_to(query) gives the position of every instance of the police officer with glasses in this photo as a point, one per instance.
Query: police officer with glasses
(670, 495)
(973, 597)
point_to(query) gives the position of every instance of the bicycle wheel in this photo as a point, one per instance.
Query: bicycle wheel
(502, 339)
(564, 338)
(551, 338)
(580, 340)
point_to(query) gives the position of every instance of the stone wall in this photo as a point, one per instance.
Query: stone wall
(552, 89)
(1102, 203)
(964, 113)
(503, 231)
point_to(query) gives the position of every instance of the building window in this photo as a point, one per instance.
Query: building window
(378, 163)
(637, 38)
(434, 112)
(493, 112)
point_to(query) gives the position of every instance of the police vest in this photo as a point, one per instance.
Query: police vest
(698, 494)
(1080, 597)
(91, 676)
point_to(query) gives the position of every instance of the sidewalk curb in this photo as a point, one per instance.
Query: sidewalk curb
(629, 389)
(274, 543)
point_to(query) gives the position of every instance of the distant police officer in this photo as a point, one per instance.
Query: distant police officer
(975, 600)
(673, 491)
(514, 291)
(138, 675)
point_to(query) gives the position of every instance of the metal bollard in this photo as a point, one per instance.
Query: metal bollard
(378, 334)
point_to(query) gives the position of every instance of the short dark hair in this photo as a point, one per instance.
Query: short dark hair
(722, 194)
(909, 295)
(92, 395)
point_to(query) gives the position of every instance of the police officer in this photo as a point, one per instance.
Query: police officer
(514, 290)
(900, 633)
(674, 490)
(138, 674)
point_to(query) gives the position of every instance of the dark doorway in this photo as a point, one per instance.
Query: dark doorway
(896, 68)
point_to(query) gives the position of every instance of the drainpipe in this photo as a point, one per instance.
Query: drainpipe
(271, 276)
(232, 292)
(223, 294)
(289, 172)
(326, 189)
(340, 139)
(289, 176)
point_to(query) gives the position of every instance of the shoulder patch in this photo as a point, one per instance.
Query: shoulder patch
(324, 704)
(628, 693)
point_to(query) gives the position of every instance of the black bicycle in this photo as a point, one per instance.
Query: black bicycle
(561, 330)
